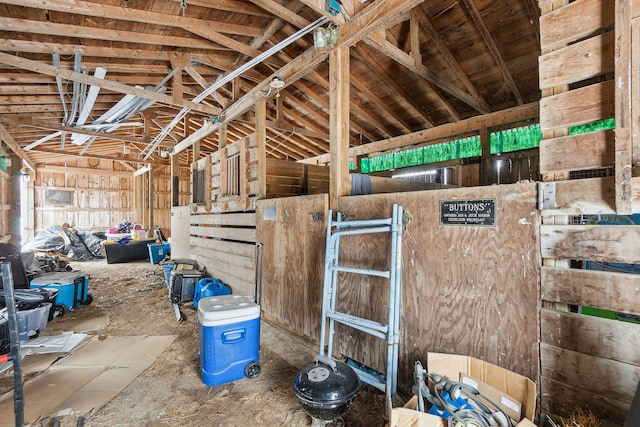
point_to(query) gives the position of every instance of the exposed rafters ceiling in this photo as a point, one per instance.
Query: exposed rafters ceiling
(414, 65)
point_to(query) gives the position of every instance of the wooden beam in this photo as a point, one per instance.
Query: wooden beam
(16, 148)
(261, 141)
(89, 155)
(485, 161)
(607, 243)
(601, 289)
(50, 70)
(624, 108)
(384, 46)
(282, 12)
(12, 45)
(340, 182)
(210, 27)
(449, 130)
(386, 12)
(389, 80)
(34, 123)
(577, 152)
(452, 62)
(53, 29)
(493, 48)
(392, 114)
(235, 6)
(205, 85)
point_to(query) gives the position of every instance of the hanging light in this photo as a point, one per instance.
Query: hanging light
(276, 83)
(324, 38)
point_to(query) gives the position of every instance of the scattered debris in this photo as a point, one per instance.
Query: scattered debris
(60, 240)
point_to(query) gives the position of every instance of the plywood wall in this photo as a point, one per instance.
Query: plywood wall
(468, 290)
(292, 268)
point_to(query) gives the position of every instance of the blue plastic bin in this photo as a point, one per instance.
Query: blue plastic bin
(229, 338)
(158, 252)
(209, 287)
(72, 286)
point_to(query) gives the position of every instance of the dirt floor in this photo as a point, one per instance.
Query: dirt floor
(170, 392)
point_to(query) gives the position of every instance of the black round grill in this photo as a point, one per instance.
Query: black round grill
(326, 388)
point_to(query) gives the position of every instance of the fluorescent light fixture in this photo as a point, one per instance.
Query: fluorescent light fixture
(414, 174)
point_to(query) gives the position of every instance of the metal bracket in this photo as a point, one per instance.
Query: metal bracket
(547, 195)
(332, 7)
(317, 216)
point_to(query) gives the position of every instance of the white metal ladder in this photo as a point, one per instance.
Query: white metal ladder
(390, 332)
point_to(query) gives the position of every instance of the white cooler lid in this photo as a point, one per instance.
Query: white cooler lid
(224, 309)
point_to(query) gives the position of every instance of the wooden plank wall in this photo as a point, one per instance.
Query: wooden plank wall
(215, 166)
(102, 195)
(292, 267)
(586, 361)
(468, 290)
(162, 198)
(285, 179)
(224, 244)
(5, 206)
(223, 229)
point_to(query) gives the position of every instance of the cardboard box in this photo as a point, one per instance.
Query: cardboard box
(517, 387)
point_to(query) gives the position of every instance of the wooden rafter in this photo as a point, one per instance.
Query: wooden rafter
(384, 46)
(209, 29)
(11, 45)
(391, 113)
(447, 105)
(42, 68)
(323, 82)
(15, 147)
(284, 13)
(53, 29)
(493, 48)
(54, 127)
(234, 6)
(91, 155)
(391, 82)
(454, 65)
(204, 85)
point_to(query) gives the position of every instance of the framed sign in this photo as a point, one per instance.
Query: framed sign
(481, 213)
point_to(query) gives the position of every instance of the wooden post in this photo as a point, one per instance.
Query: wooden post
(261, 140)
(224, 173)
(175, 180)
(207, 183)
(222, 136)
(623, 97)
(176, 85)
(340, 182)
(151, 190)
(485, 162)
(244, 179)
